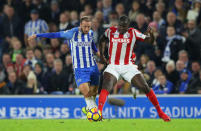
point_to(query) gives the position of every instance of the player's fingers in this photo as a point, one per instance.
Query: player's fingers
(149, 29)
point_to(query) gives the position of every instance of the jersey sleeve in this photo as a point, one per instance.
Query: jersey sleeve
(49, 35)
(139, 36)
(93, 45)
(68, 34)
(107, 32)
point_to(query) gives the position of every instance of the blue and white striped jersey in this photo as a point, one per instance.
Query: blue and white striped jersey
(82, 47)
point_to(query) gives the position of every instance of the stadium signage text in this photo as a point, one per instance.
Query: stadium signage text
(70, 107)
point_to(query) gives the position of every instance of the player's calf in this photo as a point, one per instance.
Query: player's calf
(84, 88)
(140, 82)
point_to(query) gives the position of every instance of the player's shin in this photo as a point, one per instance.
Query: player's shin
(90, 103)
(102, 99)
(93, 92)
(84, 88)
(152, 97)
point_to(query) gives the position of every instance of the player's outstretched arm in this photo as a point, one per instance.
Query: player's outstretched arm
(149, 36)
(102, 45)
(62, 34)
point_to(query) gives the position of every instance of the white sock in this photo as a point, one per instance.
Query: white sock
(90, 102)
(93, 100)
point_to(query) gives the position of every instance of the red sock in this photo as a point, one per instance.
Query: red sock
(102, 98)
(152, 97)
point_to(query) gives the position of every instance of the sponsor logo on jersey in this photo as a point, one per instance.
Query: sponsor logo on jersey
(121, 40)
(83, 43)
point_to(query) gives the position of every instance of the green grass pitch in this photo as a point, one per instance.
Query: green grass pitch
(106, 125)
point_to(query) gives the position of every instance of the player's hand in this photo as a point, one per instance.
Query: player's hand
(149, 30)
(149, 35)
(32, 37)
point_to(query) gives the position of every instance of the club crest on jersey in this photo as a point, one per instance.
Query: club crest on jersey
(116, 35)
(126, 35)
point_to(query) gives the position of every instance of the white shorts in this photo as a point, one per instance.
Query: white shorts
(125, 71)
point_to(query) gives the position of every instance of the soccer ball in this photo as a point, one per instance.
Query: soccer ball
(93, 114)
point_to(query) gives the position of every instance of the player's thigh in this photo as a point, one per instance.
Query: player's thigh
(113, 71)
(109, 81)
(82, 76)
(129, 71)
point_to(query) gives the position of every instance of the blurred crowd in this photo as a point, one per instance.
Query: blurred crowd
(44, 66)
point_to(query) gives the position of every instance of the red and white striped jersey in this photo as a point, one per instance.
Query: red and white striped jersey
(121, 45)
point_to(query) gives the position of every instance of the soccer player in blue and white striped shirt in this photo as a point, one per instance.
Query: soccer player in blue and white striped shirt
(85, 67)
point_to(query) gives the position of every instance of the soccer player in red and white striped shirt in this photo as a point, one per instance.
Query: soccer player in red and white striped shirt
(121, 43)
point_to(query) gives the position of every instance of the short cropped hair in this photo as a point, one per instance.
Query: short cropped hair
(85, 18)
(124, 19)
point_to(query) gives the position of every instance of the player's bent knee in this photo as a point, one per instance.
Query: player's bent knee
(84, 89)
(146, 88)
(139, 81)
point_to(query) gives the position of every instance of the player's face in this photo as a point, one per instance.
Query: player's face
(85, 26)
(122, 27)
